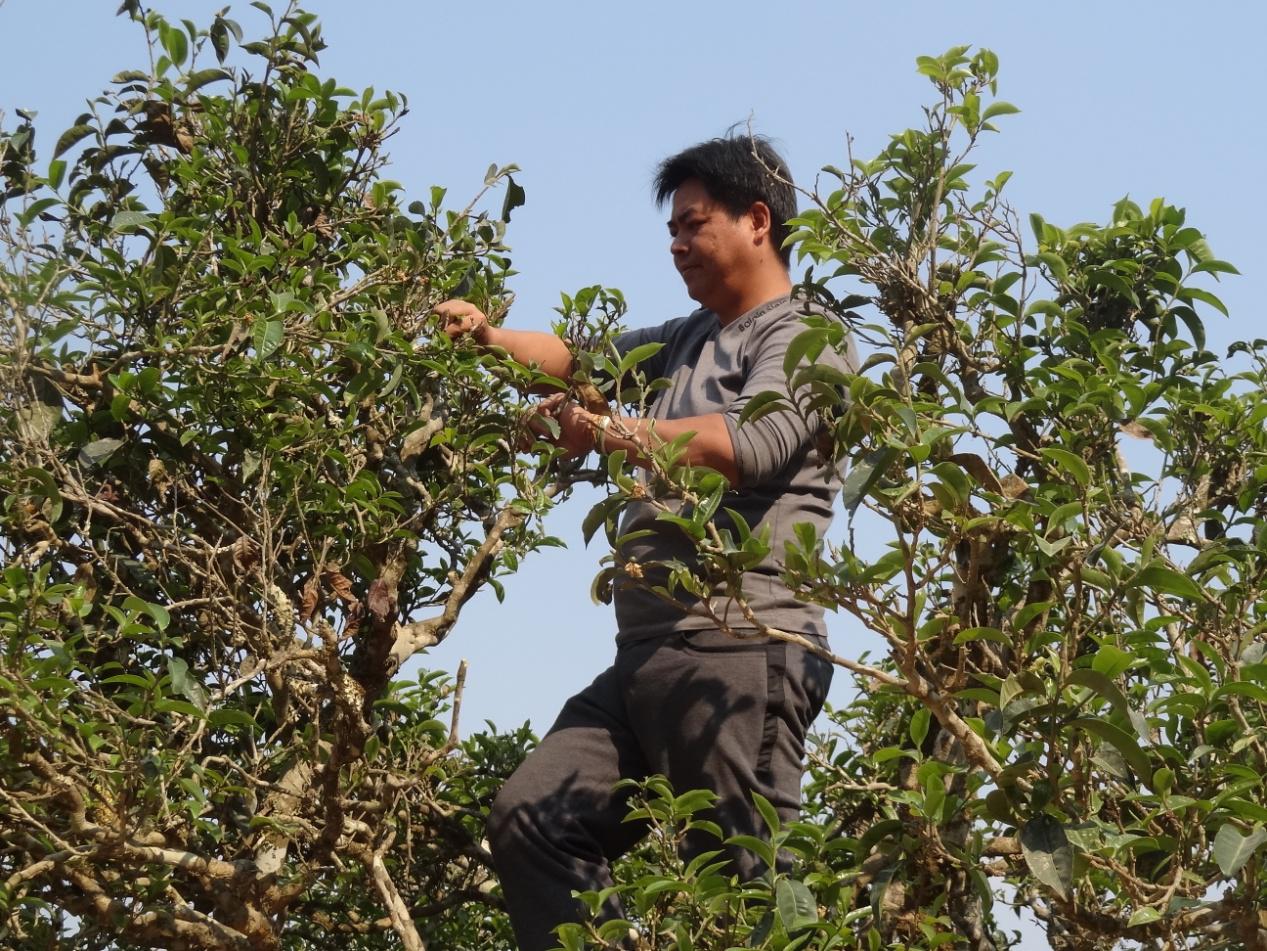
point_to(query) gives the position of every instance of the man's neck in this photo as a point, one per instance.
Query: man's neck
(753, 294)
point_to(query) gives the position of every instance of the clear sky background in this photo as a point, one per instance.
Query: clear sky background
(1146, 99)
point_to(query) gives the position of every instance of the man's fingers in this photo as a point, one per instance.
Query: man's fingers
(459, 317)
(542, 420)
(550, 405)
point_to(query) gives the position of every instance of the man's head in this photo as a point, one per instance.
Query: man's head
(736, 172)
(731, 199)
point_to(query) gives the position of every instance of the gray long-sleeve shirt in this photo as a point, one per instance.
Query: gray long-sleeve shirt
(716, 369)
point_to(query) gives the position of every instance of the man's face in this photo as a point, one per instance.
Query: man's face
(711, 250)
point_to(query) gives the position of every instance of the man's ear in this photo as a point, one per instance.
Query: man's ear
(759, 215)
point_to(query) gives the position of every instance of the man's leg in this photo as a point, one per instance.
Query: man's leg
(713, 712)
(557, 822)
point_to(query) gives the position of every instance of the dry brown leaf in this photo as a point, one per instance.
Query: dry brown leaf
(977, 467)
(588, 396)
(1014, 486)
(308, 603)
(338, 582)
(380, 600)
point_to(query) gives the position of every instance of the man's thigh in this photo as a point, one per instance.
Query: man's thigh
(718, 713)
(565, 785)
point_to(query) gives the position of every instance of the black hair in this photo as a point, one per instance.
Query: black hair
(736, 171)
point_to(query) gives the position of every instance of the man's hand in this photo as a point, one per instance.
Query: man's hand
(577, 425)
(461, 318)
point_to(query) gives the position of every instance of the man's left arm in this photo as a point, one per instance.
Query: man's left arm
(766, 445)
(747, 454)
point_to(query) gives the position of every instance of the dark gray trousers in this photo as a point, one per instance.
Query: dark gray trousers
(704, 709)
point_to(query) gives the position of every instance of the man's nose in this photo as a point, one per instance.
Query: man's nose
(677, 245)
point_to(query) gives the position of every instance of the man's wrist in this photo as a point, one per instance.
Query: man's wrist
(601, 424)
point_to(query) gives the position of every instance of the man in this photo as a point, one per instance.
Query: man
(685, 696)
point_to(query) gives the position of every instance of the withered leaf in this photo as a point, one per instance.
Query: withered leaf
(381, 600)
(1014, 486)
(308, 603)
(588, 396)
(977, 467)
(338, 583)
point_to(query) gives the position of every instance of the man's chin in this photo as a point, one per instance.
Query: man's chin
(694, 290)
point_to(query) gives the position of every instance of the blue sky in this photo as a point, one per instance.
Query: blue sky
(1142, 98)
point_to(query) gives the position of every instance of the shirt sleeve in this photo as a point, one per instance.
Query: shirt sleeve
(654, 366)
(764, 447)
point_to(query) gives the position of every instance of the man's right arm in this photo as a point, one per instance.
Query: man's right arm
(549, 353)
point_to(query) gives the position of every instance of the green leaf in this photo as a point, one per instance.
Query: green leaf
(1232, 850)
(1196, 293)
(1111, 661)
(267, 336)
(919, 726)
(768, 813)
(46, 488)
(970, 634)
(998, 109)
(99, 450)
(1193, 323)
(1144, 916)
(131, 679)
(205, 77)
(1037, 225)
(795, 904)
(1213, 266)
(130, 220)
(865, 474)
(39, 417)
(807, 344)
(515, 197)
(1242, 688)
(228, 716)
(1068, 462)
(176, 43)
(638, 354)
(56, 172)
(693, 801)
(616, 930)
(763, 404)
(1168, 581)
(220, 39)
(599, 515)
(601, 587)
(1010, 689)
(1113, 281)
(759, 847)
(1048, 853)
(71, 136)
(1055, 264)
(162, 617)
(184, 684)
(183, 707)
(1122, 741)
(1098, 682)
